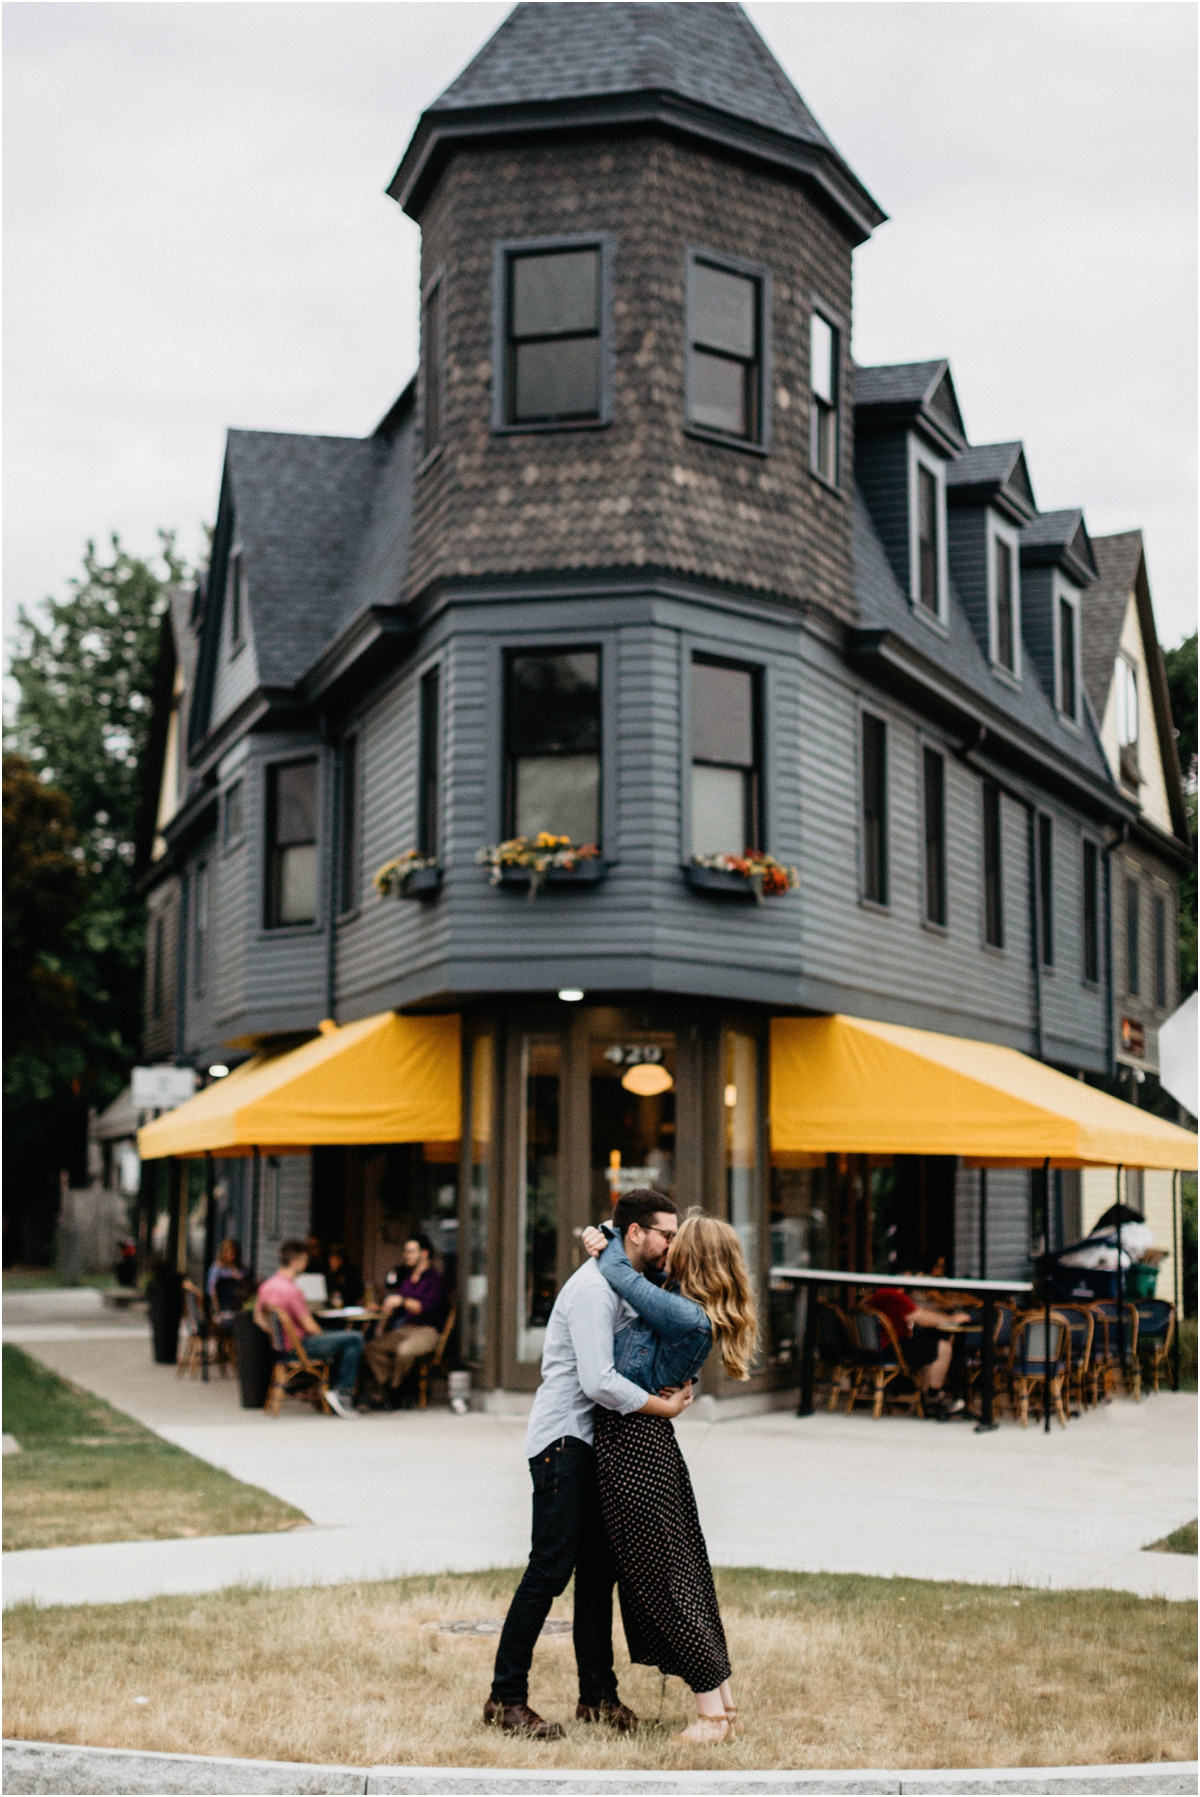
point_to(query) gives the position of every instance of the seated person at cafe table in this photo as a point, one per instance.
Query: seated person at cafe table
(924, 1344)
(411, 1316)
(226, 1282)
(343, 1280)
(342, 1348)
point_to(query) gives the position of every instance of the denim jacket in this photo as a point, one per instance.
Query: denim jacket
(671, 1338)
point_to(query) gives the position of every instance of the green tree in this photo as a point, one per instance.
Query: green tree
(84, 672)
(1181, 683)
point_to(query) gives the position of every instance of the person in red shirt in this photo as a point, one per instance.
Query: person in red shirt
(930, 1350)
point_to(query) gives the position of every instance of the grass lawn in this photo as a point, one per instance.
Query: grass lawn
(1187, 1354)
(46, 1279)
(831, 1671)
(88, 1473)
(1179, 1541)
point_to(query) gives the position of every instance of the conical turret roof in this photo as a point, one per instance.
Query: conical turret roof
(701, 69)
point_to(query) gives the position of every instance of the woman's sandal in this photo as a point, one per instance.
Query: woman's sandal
(721, 1727)
(736, 1725)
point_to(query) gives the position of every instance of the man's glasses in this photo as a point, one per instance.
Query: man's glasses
(668, 1235)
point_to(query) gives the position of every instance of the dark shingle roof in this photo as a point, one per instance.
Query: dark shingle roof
(301, 506)
(897, 383)
(1104, 606)
(1061, 538)
(704, 67)
(898, 391)
(983, 463)
(884, 606)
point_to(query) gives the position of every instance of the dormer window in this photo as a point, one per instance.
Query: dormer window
(1066, 655)
(235, 586)
(1125, 695)
(927, 533)
(726, 317)
(824, 362)
(552, 325)
(1004, 600)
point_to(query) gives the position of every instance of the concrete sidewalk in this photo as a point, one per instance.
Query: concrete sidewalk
(410, 1492)
(36, 1766)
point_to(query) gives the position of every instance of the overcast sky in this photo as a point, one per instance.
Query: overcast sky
(197, 236)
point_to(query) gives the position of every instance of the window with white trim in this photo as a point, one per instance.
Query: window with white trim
(824, 377)
(927, 533)
(1125, 699)
(726, 333)
(1004, 600)
(1066, 653)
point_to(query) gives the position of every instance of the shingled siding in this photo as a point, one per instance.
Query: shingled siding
(881, 469)
(967, 546)
(640, 492)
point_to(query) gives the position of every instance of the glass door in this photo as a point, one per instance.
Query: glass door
(631, 1099)
(538, 1192)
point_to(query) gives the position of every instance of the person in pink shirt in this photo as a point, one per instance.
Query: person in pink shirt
(342, 1348)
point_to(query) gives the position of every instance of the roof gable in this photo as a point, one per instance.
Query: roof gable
(1060, 539)
(987, 472)
(911, 393)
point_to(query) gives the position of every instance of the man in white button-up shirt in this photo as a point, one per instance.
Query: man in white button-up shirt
(568, 1527)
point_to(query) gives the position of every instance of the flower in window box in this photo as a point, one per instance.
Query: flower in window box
(394, 879)
(767, 877)
(537, 857)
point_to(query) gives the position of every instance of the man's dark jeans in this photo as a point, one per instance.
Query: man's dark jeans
(568, 1534)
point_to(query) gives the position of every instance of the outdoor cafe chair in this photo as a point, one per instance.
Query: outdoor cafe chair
(1005, 1315)
(837, 1347)
(1106, 1311)
(294, 1375)
(881, 1361)
(1032, 1361)
(433, 1359)
(1081, 1379)
(199, 1332)
(1156, 1328)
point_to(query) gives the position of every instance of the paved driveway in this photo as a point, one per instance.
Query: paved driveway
(413, 1492)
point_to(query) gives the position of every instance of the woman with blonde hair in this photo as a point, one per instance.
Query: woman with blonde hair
(668, 1600)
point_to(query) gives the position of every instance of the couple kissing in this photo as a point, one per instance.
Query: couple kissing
(612, 1500)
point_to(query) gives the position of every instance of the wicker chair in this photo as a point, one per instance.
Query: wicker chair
(1106, 1313)
(1155, 1330)
(1031, 1362)
(433, 1359)
(193, 1361)
(1081, 1380)
(881, 1362)
(294, 1375)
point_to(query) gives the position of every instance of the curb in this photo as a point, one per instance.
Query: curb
(37, 1767)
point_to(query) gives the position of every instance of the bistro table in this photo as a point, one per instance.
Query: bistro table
(989, 1289)
(349, 1316)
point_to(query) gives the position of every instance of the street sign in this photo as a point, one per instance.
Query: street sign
(162, 1088)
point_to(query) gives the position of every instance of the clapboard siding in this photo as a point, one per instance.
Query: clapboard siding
(967, 547)
(236, 674)
(881, 468)
(1007, 1223)
(159, 1042)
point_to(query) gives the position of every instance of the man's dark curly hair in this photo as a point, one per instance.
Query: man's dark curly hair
(639, 1207)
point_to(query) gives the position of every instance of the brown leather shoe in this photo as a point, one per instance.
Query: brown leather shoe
(613, 1712)
(519, 1719)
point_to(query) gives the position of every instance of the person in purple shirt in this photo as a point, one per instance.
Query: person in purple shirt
(413, 1315)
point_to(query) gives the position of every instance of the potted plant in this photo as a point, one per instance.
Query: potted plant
(751, 876)
(411, 875)
(255, 1358)
(546, 860)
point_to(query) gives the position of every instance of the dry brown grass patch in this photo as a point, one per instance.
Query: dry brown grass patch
(831, 1672)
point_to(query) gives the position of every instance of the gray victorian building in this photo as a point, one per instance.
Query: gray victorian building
(641, 559)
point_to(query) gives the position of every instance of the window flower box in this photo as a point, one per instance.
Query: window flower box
(750, 877)
(545, 860)
(412, 875)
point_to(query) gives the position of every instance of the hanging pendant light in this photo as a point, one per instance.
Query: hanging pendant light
(647, 1080)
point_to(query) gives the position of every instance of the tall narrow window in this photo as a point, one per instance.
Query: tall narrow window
(235, 814)
(724, 354)
(993, 870)
(291, 844)
(157, 969)
(429, 774)
(236, 588)
(725, 782)
(431, 368)
(874, 809)
(554, 337)
(1068, 686)
(824, 398)
(199, 926)
(553, 744)
(1006, 632)
(1125, 696)
(1133, 938)
(1091, 913)
(1046, 887)
(1160, 952)
(348, 850)
(537, 1225)
(935, 836)
(927, 539)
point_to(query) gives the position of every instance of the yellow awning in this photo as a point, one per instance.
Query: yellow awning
(382, 1079)
(846, 1085)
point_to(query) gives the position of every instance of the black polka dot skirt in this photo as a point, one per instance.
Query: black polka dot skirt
(668, 1600)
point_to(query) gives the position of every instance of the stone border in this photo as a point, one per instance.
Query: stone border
(39, 1767)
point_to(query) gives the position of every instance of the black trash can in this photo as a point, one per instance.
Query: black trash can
(166, 1313)
(255, 1359)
